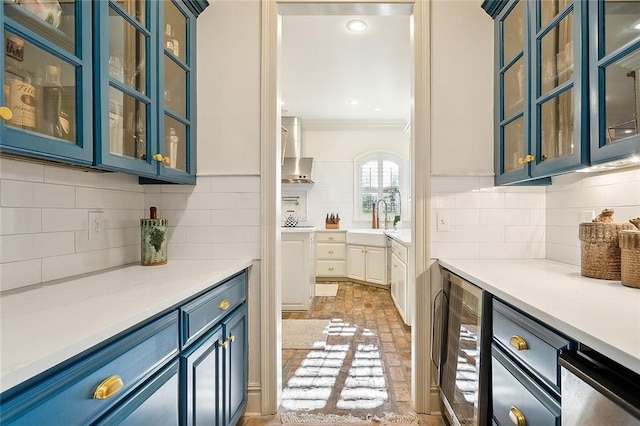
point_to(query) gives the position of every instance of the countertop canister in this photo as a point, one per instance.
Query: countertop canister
(599, 247)
(153, 243)
(630, 256)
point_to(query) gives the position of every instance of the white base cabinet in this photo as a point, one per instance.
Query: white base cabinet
(402, 287)
(331, 254)
(298, 274)
(368, 264)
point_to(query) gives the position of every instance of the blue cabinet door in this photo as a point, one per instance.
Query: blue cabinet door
(47, 80)
(235, 354)
(201, 388)
(154, 403)
(614, 69)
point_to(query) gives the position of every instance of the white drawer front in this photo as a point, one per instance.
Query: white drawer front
(331, 237)
(331, 251)
(331, 268)
(399, 250)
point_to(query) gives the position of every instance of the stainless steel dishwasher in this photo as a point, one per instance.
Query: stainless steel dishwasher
(596, 391)
(461, 350)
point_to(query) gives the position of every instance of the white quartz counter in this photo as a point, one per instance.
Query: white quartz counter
(44, 325)
(602, 314)
(403, 236)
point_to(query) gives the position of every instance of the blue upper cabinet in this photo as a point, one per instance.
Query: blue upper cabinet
(541, 86)
(47, 97)
(615, 79)
(146, 69)
(109, 84)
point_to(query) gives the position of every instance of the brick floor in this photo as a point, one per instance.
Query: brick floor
(366, 371)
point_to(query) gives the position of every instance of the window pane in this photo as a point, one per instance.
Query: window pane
(369, 175)
(557, 55)
(368, 199)
(513, 90)
(557, 126)
(513, 134)
(512, 33)
(622, 97)
(620, 20)
(175, 30)
(550, 8)
(126, 52)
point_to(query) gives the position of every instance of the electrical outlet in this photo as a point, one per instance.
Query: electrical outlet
(587, 216)
(96, 225)
(442, 222)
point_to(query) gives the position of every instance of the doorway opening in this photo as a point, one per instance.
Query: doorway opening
(352, 92)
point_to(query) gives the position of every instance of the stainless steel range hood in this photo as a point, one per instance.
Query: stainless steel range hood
(295, 169)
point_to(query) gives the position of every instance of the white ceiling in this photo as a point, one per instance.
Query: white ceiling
(324, 66)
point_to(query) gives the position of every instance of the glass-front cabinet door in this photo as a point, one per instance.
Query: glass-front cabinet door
(177, 90)
(512, 83)
(559, 88)
(47, 101)
(614, 79)
(126, 86)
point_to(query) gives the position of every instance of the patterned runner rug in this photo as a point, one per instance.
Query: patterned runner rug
(332, 419)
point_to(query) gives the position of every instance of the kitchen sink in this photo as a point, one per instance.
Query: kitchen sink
(367, 237)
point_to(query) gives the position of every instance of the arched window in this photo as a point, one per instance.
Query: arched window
(379, 176)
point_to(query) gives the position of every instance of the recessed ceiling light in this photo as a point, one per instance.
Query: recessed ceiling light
(377, 109)
(356, 25)
(628, 130)
(637, 26)
(352, 102)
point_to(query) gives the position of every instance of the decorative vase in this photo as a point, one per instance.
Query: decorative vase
(153, 240)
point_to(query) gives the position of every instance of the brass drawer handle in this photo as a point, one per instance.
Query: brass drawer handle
(6, 113)
(231, 338)
(518, 343)
(108, 387)
(157, 157)
(330, 251)
(166, 160)
(516, 417)
(331, 268)
(223, 345)
(330, 238)
(224, 305)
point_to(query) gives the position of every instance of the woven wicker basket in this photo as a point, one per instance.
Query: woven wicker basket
(630, 258)
(599, 249)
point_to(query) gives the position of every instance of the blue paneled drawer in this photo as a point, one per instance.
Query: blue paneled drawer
(529, 342)
(72, 396)
(198, 315)
(516, 398)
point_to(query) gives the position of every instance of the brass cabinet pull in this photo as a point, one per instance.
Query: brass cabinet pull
(331, 268)
(529, 158)
(331, 238)
(521, 160)
(223, 345)
(518, 343)
(166, 160)
(516, 417)
(157, 157)
(6, 113)
(108, 387)
(231, 338)
(224, 305)
(330, 251)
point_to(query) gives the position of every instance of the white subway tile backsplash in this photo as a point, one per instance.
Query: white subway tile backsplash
(623, 194)
(55, 220)
(121, 256)
(235, 184)
(480, 233)
(486, 200)
(57, 267)
(93, 198)
(554, 234)
(21, 170)
(83, 243)
(73, 177)
(563, 253)
(455, 250)
(122, 237)
(537, 250)
(524, 200)
(441, 237)
(187, 217)
(249, 200)
(211, 201)
(505, 250)
(177, 234)
(32, 246)
(248, 234)
(125, 218)
(20, 220)
(524, 233)
(236, 250)
(122, 182)
(189, 251)
(164, 201)
(14, 193)
(20, 274)
(456, 184)
(585, 197)
(505, 216)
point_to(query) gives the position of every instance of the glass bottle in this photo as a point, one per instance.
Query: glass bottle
(168, 37)
(173, 147)
(52, 102)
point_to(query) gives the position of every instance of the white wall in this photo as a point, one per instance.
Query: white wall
(577, 192)
(229, 88)
(487, 222)
(461, 89)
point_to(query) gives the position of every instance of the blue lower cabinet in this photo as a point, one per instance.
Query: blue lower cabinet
(202, 379)
(154, 403)
(235, 354)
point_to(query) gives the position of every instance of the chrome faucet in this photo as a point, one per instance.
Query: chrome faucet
(386, 222)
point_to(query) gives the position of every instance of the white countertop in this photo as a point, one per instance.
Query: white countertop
(290, 230)
(44, 325)
(403, 236)
(602, 314)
